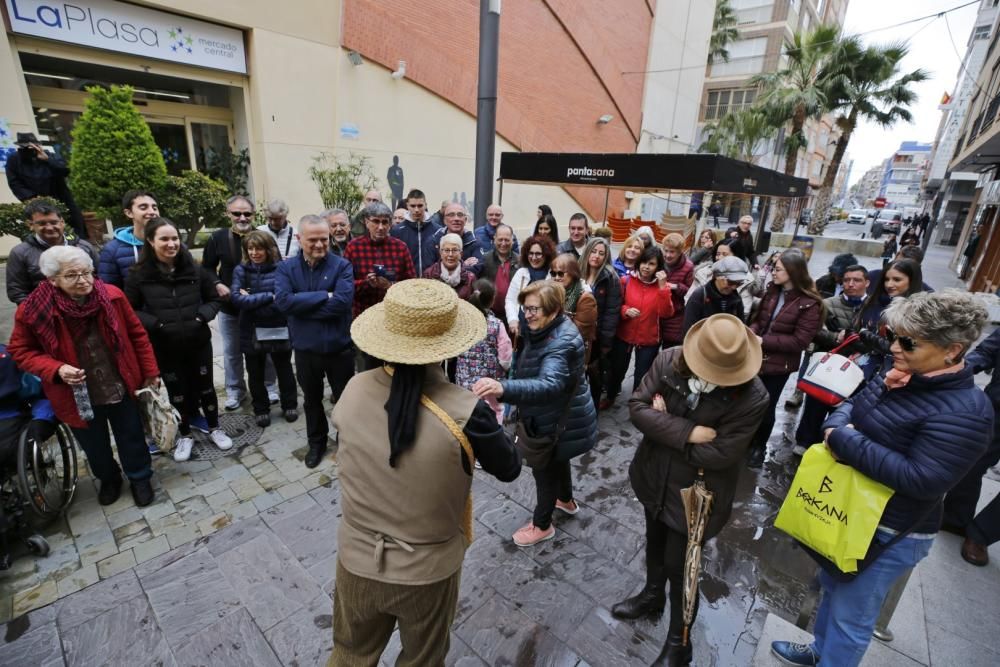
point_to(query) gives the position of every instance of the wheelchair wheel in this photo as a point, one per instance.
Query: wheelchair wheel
(47, 471)
(37, 545)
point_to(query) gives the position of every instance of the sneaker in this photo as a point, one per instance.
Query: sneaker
(291, 414)
(273, 397)
(530, 534)
(199, 423)
(262, 420)
(233, 402)
(479, 466)
(154, 449)
(182, 450)
(221, 440)
(798, 450)
(570, 508)
(789, 653)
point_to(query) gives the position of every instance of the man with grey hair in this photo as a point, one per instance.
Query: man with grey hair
(340, 229)
(277, 226)
(315, 291)
(358, 221)
(455, 218)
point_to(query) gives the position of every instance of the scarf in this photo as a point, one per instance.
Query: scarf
(572, 296)
(453, 278)
(697, 387)
(402, 408)
(537, 274)
(896, 379)
(40, 315)
(853, 301)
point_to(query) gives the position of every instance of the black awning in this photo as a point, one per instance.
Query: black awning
(650, 171)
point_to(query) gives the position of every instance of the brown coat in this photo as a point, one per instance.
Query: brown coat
(419, 503)
(585, 319)
(665, 462)
(784, 339)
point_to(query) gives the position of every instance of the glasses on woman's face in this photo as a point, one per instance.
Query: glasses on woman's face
(532, 310)
(557, 274)
(83, 276)
(535, 254)
(908, 343)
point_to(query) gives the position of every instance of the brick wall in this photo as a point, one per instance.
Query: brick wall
(561, 67)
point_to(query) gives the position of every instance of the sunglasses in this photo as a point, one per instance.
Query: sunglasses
(733, 283)
(557, 274)
(241, 214)
(906, 342)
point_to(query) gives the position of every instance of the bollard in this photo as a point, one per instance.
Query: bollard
(882, 632)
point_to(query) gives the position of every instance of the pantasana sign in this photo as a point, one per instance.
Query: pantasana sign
(118, 26)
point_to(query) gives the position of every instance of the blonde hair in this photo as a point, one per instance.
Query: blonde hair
(674, 241)
(635, 238)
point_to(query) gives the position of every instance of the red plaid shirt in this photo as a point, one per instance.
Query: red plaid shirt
(364, 254)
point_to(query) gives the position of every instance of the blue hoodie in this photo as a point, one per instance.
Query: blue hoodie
(118, 256)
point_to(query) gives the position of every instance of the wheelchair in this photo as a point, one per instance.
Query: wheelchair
(38, 478)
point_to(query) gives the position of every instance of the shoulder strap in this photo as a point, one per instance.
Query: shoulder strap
(288, 241)
(459, 435)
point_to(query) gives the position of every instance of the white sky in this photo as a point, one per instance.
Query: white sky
(930, 49)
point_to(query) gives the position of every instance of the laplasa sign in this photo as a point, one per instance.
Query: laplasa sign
(118, 26)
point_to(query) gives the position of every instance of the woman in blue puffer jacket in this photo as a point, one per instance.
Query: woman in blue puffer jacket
(550, 384)
(263, 328)
(917, 428)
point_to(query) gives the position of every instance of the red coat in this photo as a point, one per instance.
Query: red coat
(136, 362)
(653, 304)
(682, 277)
(785, 338)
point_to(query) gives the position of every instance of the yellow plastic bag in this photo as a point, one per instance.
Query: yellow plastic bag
(832, 508)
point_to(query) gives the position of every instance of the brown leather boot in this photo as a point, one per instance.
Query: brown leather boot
(975, 553)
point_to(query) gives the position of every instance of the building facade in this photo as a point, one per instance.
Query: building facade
(903, 175)
(327, 77)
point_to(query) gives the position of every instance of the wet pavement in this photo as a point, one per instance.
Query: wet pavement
(245, 573)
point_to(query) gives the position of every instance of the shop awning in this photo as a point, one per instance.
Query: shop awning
(651, 172)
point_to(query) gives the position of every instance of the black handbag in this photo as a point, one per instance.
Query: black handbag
(271, 339)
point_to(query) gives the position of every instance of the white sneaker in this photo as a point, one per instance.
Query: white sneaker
(182, 450)
(272, 396)
(233, 402)
(221, 440)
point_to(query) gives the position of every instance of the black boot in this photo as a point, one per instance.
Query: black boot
(315, 455)
(755, 457)
(673, 653)
(648, 602)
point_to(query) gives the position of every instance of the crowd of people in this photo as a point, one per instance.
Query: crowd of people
(459, 333)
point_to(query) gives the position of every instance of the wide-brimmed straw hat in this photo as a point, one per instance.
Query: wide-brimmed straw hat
(722, 350)
(419, 322)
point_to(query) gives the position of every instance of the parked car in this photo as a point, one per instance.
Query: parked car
(891, 220)
(857, 216)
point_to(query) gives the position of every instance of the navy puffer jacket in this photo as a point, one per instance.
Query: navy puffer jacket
(551, 358)
(919, 440)
(257, 308)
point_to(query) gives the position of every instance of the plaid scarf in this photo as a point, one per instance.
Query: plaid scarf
(41, 316)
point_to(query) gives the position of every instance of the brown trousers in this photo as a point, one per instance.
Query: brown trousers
(365, 613)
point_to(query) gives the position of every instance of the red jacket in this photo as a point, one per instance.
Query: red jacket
(136, 362)
(653, 304)
(681, 276)
(789, 334)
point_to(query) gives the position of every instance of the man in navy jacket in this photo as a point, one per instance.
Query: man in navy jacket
(315, 291)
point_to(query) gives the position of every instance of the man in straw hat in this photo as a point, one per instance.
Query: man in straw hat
(697, 409)
(408, 442)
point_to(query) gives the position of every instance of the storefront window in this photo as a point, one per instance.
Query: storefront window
(54, 127)
(209, 139)
(173, 144)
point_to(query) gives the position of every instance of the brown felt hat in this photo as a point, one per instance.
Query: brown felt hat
(419, 322)
(722, 350)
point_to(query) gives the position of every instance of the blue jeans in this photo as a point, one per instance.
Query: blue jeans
(848, 611)
(130, 440)
(232, 358)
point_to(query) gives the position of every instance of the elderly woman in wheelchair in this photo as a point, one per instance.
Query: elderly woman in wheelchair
(82, 338)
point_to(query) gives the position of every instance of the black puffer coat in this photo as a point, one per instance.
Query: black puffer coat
(665, 462)
(551, 359)
(607, 292)
(174, 307)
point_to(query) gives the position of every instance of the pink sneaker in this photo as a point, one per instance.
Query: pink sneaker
(530, 534)
(570, 508)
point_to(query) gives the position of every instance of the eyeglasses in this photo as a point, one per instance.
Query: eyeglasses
(532, 310)
(733, 283)
(380, 221)
(83, 276)
(557, 274)
(450, 251)
(454, 214)
(536, 254)
(908, 343)
(241, 214)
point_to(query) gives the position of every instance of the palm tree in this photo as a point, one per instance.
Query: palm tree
(797, 92)
(868, 87)
(724, 32)
(742, 135)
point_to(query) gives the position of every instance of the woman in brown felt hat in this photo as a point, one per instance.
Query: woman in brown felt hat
(697, 409)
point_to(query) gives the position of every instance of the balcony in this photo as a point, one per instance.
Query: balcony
(991, 113)
(974, 130)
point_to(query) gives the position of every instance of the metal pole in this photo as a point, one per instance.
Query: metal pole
(607, 194)
(882, 632)
(486, 111)
(500, 194)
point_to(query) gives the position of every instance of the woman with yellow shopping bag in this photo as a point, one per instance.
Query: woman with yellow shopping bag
(917, 430)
